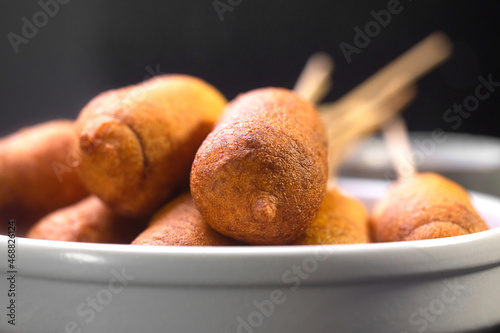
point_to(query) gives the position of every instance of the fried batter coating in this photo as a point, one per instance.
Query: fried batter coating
(424, 206)
(342, 219)
(137, 143)
(35, 173)
(261, 175)
(179, 223)
(90, 221)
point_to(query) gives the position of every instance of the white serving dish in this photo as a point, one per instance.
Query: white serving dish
(442, 285)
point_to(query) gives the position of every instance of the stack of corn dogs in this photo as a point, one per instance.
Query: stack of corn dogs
(171, 162)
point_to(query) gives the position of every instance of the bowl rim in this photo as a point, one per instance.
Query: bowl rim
(234, 265)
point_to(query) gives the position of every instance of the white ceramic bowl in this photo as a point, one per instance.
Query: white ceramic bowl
(442, 285)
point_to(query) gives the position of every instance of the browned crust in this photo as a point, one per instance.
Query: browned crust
(342, 219)
(261, 175)
(36, 175)
(180, 224)
(423, 199)
(437, 229)
(137, 143)
(89, 220)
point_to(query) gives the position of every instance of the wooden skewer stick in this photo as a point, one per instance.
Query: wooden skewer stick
(415, 62)
(371, 116)
(353, 116)
(314, 81)
(366, 118)
(397, 141)
(372, 113)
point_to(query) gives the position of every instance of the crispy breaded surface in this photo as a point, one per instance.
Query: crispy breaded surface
(137, 143)
(36, 176)
(180, 224)
(342, 219)
(87, 221)
(261, 175)
(424, 206)
(436, 230)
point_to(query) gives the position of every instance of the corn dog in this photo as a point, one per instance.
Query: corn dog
(89, 220)
(35, 177)
(424, 206)
(342, 219)
(261, 175)
(137, 143)
(179, 223)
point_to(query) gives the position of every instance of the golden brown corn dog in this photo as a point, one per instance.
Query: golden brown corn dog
(89, 220)
(261, 175)
(424, 206)
(35, 177)
(342, 219)
(179, 223)
(137, 143)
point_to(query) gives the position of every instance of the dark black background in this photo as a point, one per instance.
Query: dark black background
(94, 45)
(91, 46)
